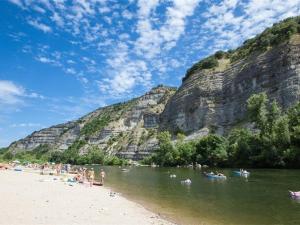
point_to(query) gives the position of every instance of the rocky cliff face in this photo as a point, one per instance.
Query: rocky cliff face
(127, 129)
(215, 99)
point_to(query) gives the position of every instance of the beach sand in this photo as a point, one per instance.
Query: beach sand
(29, 198)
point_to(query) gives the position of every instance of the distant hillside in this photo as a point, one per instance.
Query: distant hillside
(127, 129)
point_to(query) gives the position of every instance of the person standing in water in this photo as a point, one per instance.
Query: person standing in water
(102, 176)
(91, 177)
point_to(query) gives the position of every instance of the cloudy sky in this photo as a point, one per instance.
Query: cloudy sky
(63, 58)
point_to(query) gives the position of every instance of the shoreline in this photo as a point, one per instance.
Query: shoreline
(30, 198)
(165, 215)
(145, 205)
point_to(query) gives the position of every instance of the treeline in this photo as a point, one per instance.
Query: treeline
(273, 142)
(94, 155)
(44, 153)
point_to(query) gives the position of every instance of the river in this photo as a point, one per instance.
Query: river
(262, 198)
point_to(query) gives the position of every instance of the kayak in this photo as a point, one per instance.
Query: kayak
(214, 176)
(244, 173)
(187, 181)
(295, 194)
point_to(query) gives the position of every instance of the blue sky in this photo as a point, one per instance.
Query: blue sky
(61, 59)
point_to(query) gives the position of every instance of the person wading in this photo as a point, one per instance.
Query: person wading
(102, 176)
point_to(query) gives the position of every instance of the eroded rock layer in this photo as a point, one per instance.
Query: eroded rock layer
(216, 99)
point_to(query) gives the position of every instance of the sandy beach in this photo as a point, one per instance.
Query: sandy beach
(30, 198)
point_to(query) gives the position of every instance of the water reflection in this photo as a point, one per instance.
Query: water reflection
(215, 201)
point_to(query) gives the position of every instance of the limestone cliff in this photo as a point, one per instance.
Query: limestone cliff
(215, 99)
(127, 129)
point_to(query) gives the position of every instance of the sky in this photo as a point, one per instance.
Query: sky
(60, 59)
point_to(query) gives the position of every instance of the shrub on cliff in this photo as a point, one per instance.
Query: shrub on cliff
(220, 54)
(207, 63)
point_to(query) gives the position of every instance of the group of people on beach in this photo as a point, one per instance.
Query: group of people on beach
(85, 175)
(82, 174)
(58, 168)
(79, 174)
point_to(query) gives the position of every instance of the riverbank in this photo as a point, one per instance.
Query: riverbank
(29, 198)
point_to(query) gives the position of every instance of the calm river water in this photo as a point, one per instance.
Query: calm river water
(262, 198)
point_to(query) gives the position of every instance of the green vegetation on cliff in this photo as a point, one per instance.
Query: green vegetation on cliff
(277, 34)
(107, 115)
(96, 124)
(273, 143)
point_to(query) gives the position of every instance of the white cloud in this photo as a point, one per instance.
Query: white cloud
(146, 6)
(150, 40)
(39, 9)
(176, 16)
(71, 71)
(44, 59)
(127, 15)
(15, 125)
(13, 96)
(125, 72)
(35, 95)
(228, 30)
(84, 80)
(10, 93)
(57, 19)
(52, 59)
(129, 67)
(104, 9)
(17, 2)
(40, 26)
(70, 61)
